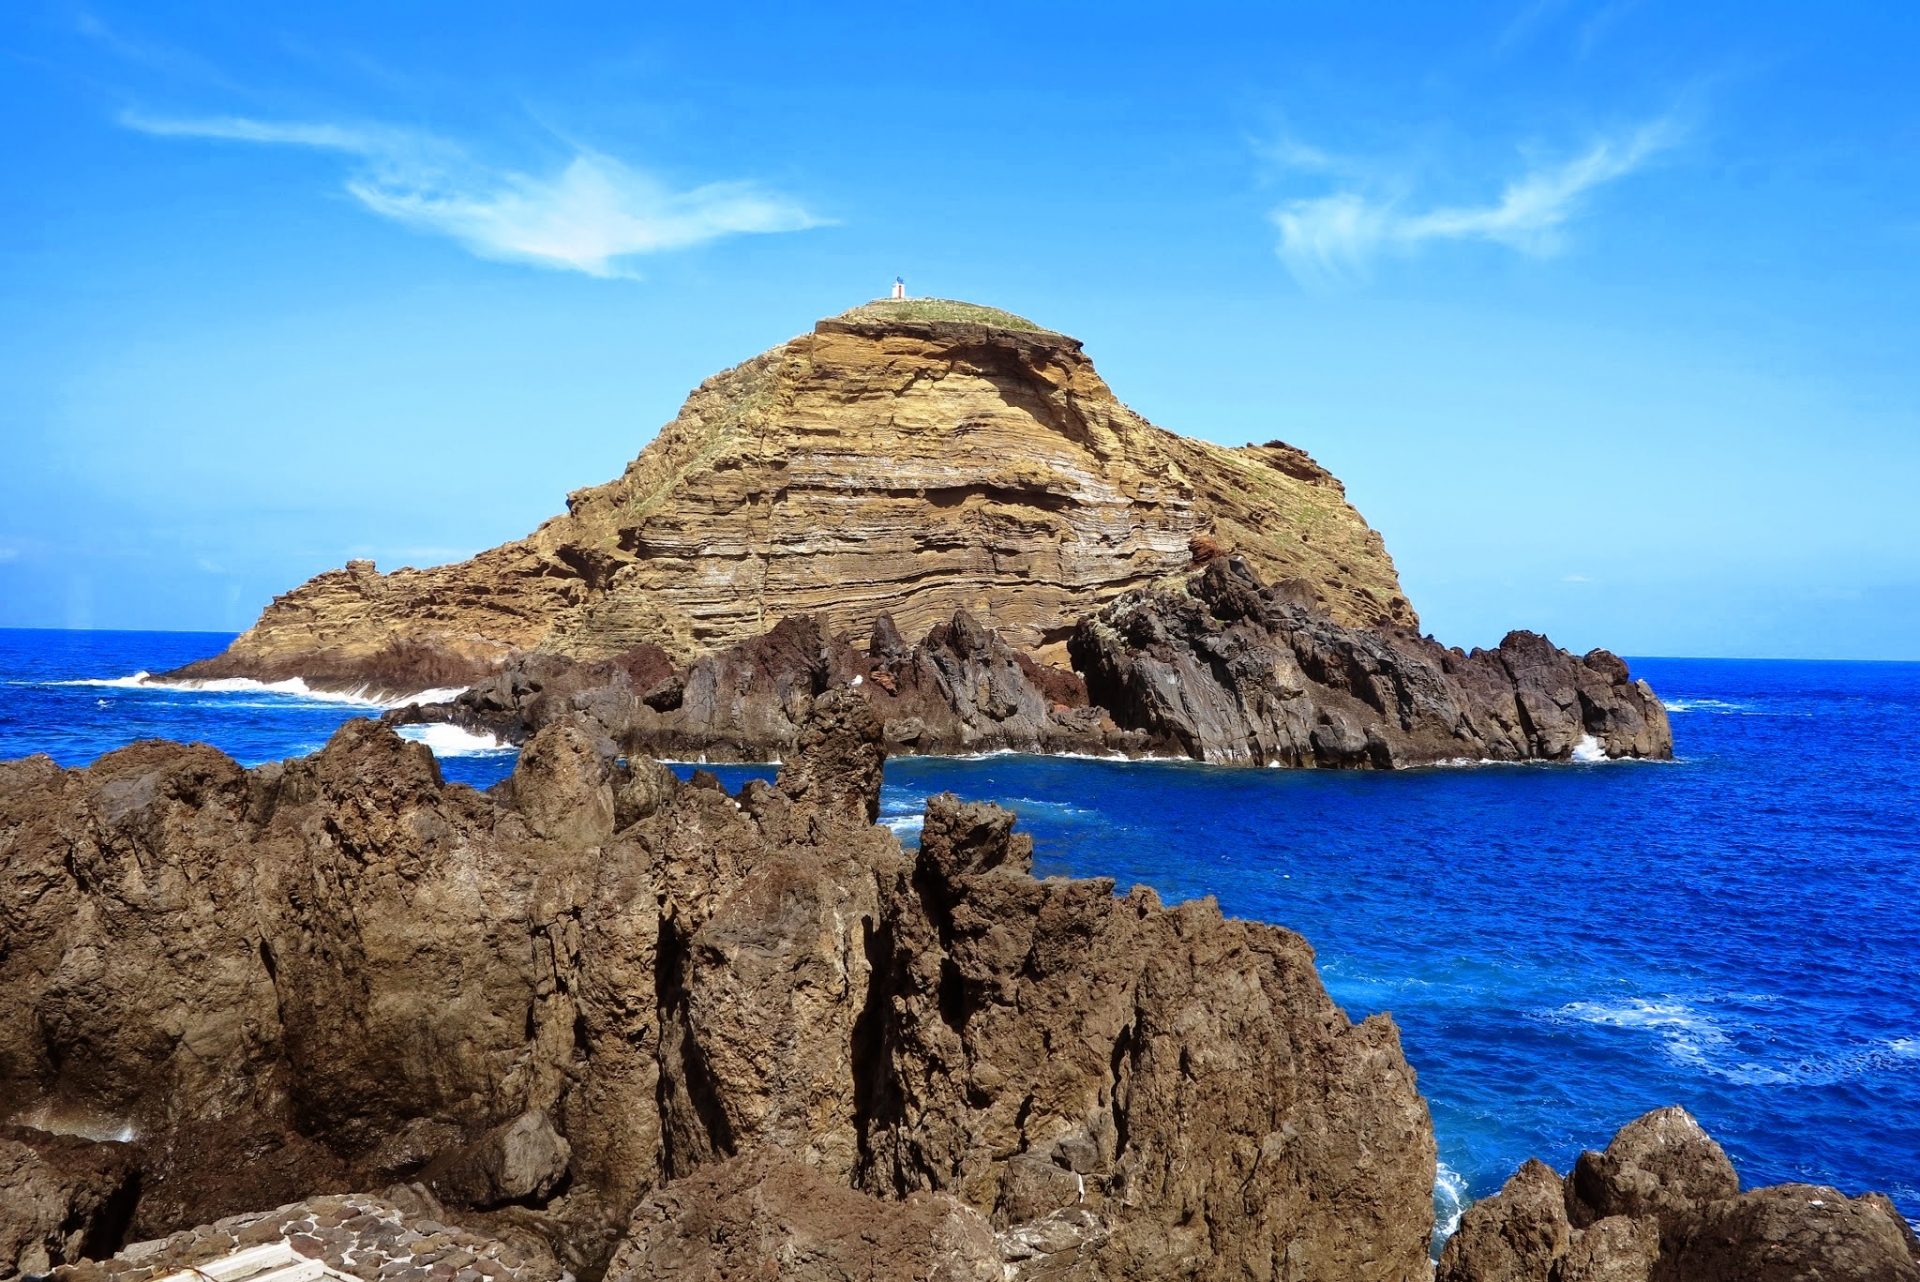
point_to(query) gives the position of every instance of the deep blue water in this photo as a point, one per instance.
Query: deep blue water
(1564, 947)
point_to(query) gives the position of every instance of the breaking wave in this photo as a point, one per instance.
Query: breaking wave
(1450, 1202)
(292, 687)
(1589, 750)
(453, 741)
(1696, 1039)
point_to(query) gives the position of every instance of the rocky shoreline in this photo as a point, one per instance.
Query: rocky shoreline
(589, 1013)
(602, 1023)
(1216, 666)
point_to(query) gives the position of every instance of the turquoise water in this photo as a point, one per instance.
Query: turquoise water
(1564, 947)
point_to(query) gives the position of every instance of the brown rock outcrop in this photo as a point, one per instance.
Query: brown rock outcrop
(910, 459)
(1222, 667)
(556, 1004)
(767, 1216)
(62, 1198)
(359, 1236)
(1663, 1204)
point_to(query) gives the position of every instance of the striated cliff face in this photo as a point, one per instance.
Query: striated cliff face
(912, 459)
(608, 1015)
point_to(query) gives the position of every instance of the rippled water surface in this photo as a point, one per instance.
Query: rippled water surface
(1563, 947)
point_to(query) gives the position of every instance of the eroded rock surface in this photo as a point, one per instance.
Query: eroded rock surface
(1222, 667)
(960, 689)
(362, 1237)
(911, 459)
(1662, 1203)
(62, 1198)
(1217, 666)
(553, 1005)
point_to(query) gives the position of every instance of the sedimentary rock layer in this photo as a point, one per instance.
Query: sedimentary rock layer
(581, 1007)
(1663, 1204)
(909, 459)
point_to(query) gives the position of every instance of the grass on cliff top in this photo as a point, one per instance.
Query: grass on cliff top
(940, 309)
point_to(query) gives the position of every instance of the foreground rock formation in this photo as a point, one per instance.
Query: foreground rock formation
(1663, 1204)
(910, 459)
(604, 1014)
(1216, 666)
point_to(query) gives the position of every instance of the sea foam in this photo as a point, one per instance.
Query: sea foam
(1450, 1202)
(292, 687)
(453, 741)
(1589, 750)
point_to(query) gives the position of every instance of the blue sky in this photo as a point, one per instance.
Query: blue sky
(1604, 311)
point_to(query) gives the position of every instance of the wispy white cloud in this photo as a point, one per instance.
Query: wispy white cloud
(591, 215)
(1339, 235)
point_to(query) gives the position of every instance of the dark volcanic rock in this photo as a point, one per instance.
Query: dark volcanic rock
(1218, 667)
(1178, 1092)
(1223, 668)
(1662, 1204)
(558, 1003)
(962, 689)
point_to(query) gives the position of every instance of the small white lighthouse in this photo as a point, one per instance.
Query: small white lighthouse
(899, 287)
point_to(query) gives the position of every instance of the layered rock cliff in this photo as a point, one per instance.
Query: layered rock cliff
(909, 459)
(609, 1014)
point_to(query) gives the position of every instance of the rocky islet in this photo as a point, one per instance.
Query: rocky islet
(945, 508)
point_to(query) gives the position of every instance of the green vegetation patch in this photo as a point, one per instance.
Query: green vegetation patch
(940, 309)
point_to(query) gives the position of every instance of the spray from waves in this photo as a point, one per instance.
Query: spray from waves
(1589, 750)
(1694, 1039)
(452, 741)
(292, 687)
(1450, 1202)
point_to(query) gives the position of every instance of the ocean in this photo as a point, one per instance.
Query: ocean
(1563, 947)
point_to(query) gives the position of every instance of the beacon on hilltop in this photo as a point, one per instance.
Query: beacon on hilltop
(899, 287)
